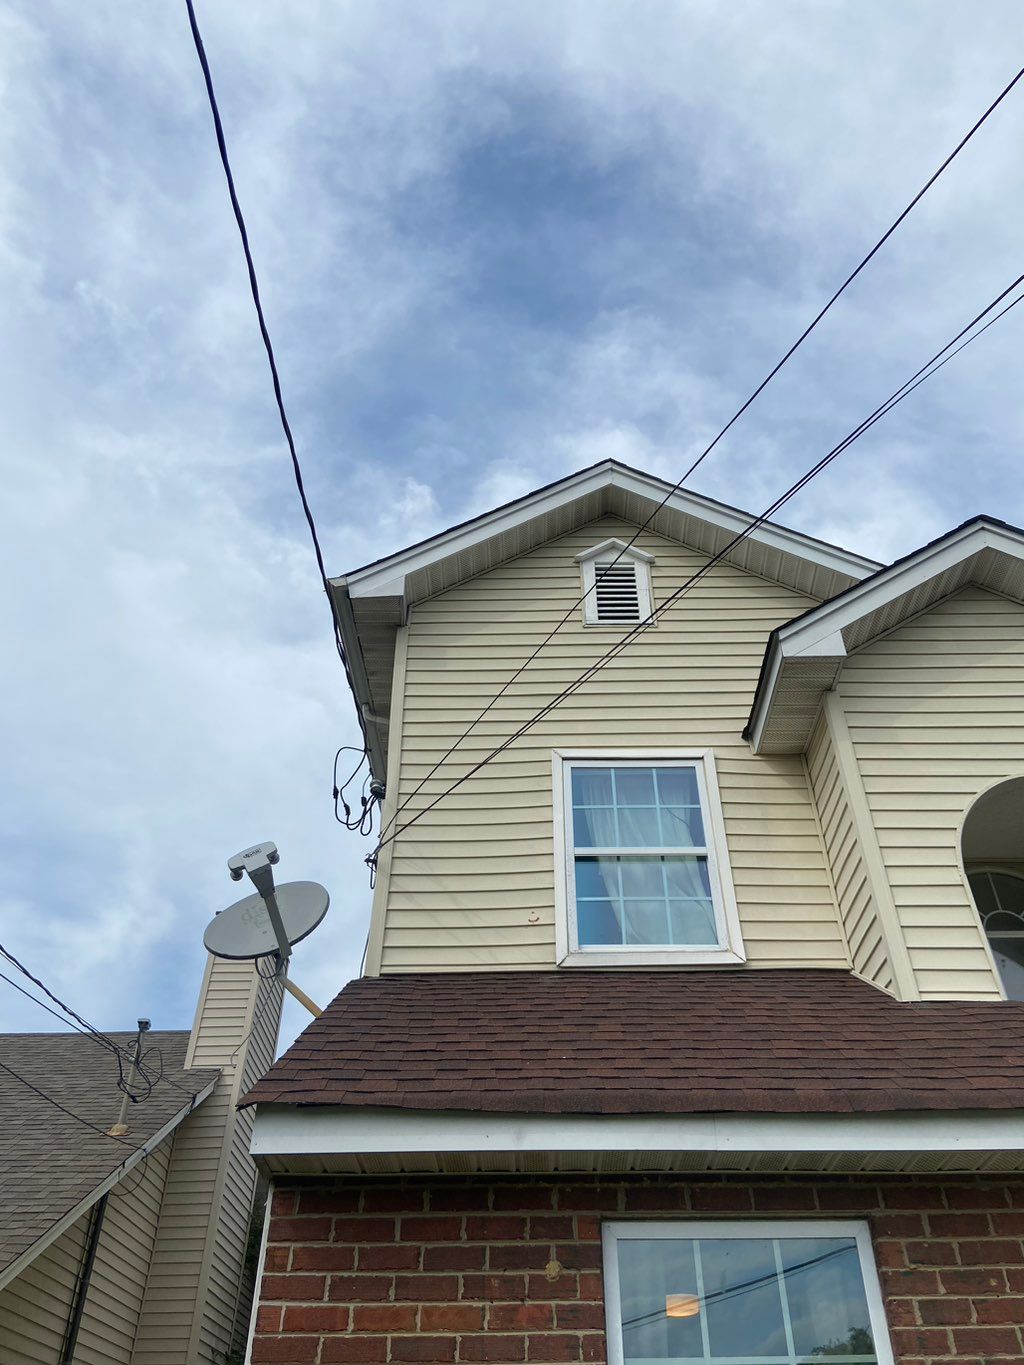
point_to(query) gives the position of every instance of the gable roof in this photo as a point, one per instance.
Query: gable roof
(52, 1167)
(788, 1041)
(373, 601)
(804, 658)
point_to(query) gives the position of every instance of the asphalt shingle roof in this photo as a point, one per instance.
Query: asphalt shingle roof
(740, 1041)
(49, 1161)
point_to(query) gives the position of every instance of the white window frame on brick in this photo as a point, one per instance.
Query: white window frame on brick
(613, 1234)
(729, 949)
(601, 556)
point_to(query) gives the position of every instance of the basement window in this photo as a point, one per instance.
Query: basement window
(644, 876)
(616, 584)
(729, 1293)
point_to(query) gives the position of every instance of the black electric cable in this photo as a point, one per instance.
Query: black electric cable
(63, 1107)
(931, 367)
(269, 348)
(710, 447)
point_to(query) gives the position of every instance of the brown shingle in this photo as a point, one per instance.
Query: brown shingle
(786, 1041)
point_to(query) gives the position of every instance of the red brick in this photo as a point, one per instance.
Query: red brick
(657, 1198)
(323, 1258)
(431, 1228)
(927, 1341)
(914, 1282)
(1014, 1280)
(976, 1196)
(592, 1346)
(354, 1350)
(384, 1317)
(299, 1230)
(268, 1318)
(284, 1350)
(359, 1288)
(451, 1317)
(721, 1199)
(316, 1317)
(421, 1348)
(284, 1202)
(592, 1286)
(486, 1348)
(890, 1254)
(524, 1198)
(427, 1288)
(945, 1312)
(784, 1198)
(388, 1258)
(563, 1286)
(959, 1224)
(1008, 1223)
(931, 1253)
(1010, 1311)
(849, 1198)
(294, 1288)
(553, 1348)
(518, 1256)
(588, 1227)
(588, 1198)
(903, 1312)
(276, 1259)
(987, 1340)
(579, 1315)
(393, 1200)
(457, 1199)
(331, 1200)
(362, 1230)
(992, 1252)
(470, 1257)
(916, 1197)
(494, 1288)
(553, 1226)
(579, 1255)
(974, 1281)
(520, 1317)
(499, 1228)
(898, 1225)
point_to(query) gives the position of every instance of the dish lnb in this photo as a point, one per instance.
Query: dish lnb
(251, 859)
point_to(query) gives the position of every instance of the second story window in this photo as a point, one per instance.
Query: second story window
(645, 867)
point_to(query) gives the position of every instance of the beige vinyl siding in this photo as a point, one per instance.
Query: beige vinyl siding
(936, 715)
(195, 1307)
(471, 884)
(864, 935)
(34, 1307)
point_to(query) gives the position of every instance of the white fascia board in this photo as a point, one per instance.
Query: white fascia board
(12, 1271)
(286, 1131)
(387, 579)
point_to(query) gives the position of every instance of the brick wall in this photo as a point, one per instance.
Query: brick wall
(510, 1270)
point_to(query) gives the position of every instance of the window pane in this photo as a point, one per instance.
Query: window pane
(1009, 956)
(592, 787)
(677, 786)
(688, 877)
(594, 827)
(634, 787)
(743, 1298)
(597, 877)
(639, 827)
(692, 922)
(682, 826)
(827, 1306)
(649, 1272)
(636, 807)
(643, 877)
(597, 922)
(646, 921)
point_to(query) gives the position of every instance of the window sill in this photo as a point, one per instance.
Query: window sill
(653, 957)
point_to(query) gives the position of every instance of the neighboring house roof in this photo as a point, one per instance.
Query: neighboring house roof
(804, 657)
(373, 601)
(52, 1167)
(788, 1041)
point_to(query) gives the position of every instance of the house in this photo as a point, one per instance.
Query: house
(689, 1025)
(131, 1248)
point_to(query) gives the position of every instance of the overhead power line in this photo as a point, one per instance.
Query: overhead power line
(269, 348)
(64, 1109)
(712, 444)
(931, 367)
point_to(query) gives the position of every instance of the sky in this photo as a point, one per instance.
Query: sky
(496, 243)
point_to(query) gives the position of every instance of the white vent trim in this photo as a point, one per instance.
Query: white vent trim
(616, 584)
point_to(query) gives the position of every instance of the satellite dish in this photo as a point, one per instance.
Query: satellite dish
(245, 929)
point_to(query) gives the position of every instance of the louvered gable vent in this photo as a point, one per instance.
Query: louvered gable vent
(616, 584)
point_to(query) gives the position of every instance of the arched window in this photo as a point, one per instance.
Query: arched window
(999, 897)
(993, 852)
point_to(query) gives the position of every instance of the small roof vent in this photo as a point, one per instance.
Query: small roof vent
(616, 584)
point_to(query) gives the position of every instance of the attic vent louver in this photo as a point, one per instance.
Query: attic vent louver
(616, 584)
(616, 591)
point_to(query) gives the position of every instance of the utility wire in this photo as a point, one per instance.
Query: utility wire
(712, 444)
(269, 348)
(63, 1107)
(926, 371)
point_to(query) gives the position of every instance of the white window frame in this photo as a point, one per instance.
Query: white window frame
(614, 1233)
(729, 950)
(611, 550)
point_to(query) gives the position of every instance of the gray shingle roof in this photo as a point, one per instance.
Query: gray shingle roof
(49, 1162)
